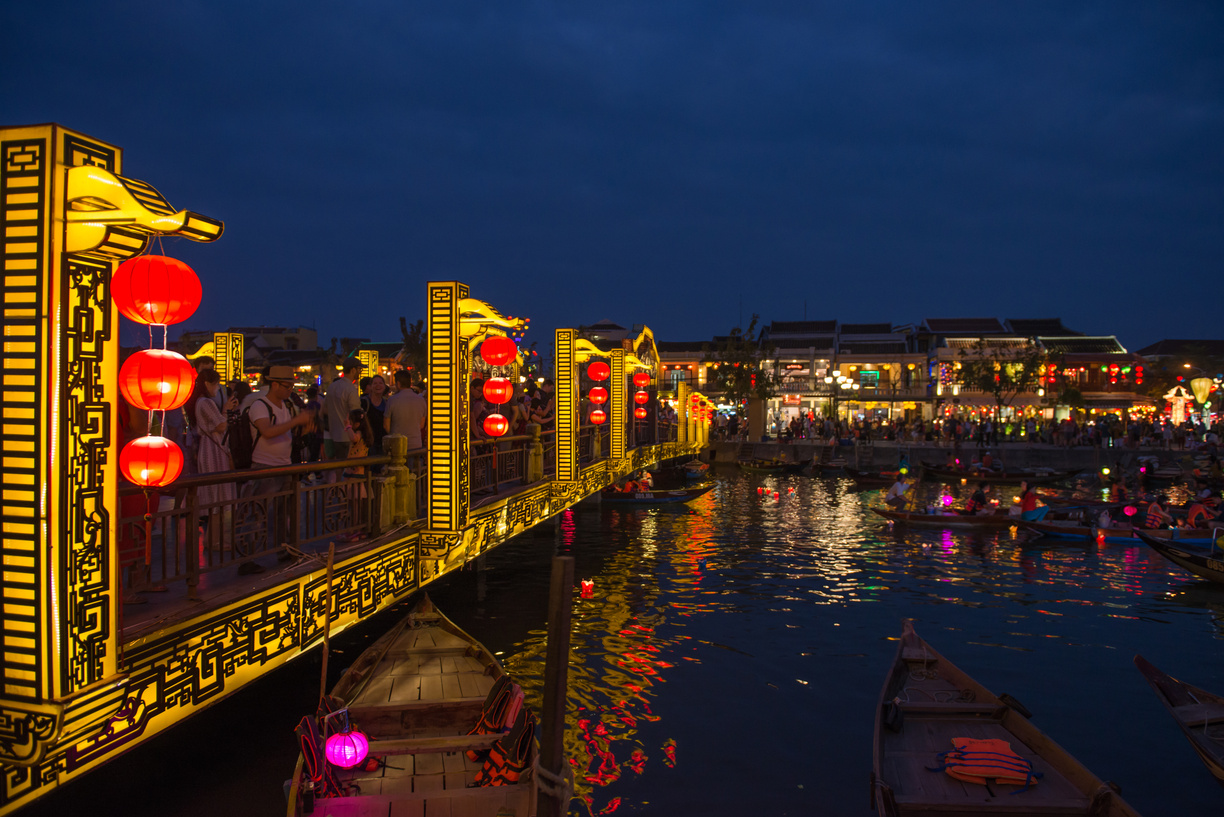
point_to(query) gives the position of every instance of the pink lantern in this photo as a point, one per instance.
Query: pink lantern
(347, 749)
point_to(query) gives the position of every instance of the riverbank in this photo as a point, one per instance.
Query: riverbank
(885, 454)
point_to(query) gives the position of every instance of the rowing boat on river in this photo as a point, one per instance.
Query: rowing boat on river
(949, 519)
(1068, 529)
(1199, 713)
(1202, 560)
(1040, 477)
(928, 703)
(437, 745)
(654, 496)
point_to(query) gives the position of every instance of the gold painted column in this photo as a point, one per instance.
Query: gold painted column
(67, 216)
(617, 395)
(565, 393)
(369, 362)
(682, 391)
(229, 355)
(447, 367)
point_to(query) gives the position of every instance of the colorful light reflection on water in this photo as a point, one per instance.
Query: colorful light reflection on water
(730, 659)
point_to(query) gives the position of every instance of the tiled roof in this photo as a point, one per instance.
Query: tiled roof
(866, 328)
(873, 347)
(965, 326)
(969, 343)
(1183, 348)
(804, 342)
(802, 327)
(1081, 345)
(1032, 327)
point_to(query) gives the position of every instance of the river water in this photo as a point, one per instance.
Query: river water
(731, 656)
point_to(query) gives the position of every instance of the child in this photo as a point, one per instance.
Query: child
(360, 437)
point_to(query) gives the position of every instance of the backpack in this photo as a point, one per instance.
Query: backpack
(242, 435)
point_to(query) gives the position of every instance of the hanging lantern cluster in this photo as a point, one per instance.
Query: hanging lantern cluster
(156, 291)
(598, 395)
(641, 380)
(497, 350)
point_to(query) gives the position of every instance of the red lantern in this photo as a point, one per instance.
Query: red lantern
(156, 380)
(153, 289)
(495, 425)
(641, 380)
(598, 370)
(151, 462)
(498, 390)
(598, 395)
(640, 397)
(498, 350)
(598, 417)
(639, 413)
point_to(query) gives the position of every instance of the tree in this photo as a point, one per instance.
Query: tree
(414, 345)
(1001, 371)
(737, 371)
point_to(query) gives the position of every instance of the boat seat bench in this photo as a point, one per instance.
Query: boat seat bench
(1200, 714)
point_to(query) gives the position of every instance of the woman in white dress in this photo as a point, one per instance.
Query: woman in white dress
(213, 455)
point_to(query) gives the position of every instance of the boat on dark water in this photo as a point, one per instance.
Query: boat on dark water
(655, 496)
(445, 728)
(1032, 477)
(1199, 713)
(1189, 554)
(1070, 529)
(928, 708)
(767, 466)
(950, 518)
(875, 479)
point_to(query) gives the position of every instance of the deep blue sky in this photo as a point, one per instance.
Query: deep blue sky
(663, 162)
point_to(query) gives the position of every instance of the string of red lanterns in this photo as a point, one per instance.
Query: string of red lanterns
(497, 350)
(598, 371)
(155, 291)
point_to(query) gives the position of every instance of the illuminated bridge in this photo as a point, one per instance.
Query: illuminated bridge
(87, 676)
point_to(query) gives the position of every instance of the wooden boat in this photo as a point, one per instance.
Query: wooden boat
(696, 469)
(1069, 529)
(1070, 502)
(655, 497)
(1031, 477)
(416, 693)
(764, 466)
(1199, 713)
(866, 479)
(1198, 559)
(949, 519)
(926, 702)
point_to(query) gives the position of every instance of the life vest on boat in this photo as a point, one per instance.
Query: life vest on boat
(499, 711)
(314, 762)
(510, 755)
(986, 760)
(1153, 520)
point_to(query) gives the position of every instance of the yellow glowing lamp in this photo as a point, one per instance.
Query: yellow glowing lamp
(1201, 387)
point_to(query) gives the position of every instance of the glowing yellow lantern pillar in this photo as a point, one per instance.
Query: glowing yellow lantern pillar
(682, 398)
(369, 362)
(565, 395)
(229, 355)
(68, 216)
(618, 410)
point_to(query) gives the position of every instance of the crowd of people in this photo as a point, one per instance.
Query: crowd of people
(1103, 431)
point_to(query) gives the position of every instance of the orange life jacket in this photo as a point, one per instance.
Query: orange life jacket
(510, 755)
(987, 760)
(499, 711)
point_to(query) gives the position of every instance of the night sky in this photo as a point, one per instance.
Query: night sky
(670, 163)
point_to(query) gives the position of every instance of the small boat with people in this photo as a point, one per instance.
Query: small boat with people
(949, 518)
(425, 721)
(1199, 713)
(770, 466)
(1037, 476)
(1200, 557)
(638, 495)
(871, 479)
(946, 745)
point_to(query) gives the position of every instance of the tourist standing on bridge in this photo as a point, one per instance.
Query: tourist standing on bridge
(405, 412)
(210, 425)
(341, 400)
(374, 404)
(275, 421)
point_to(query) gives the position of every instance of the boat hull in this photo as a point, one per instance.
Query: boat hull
(1202, 564)
(1039, 478)
(1199, 714)
(946, 521)
(656, 497)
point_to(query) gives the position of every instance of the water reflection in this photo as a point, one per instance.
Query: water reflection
(783, 607)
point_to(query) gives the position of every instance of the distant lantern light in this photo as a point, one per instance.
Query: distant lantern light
(156, 380)
(639, 413)
(598, 417)
(154, 289)
(495, 425)
(498, 350)
(641, 380)
(498, 390)
(347, 749)
(598, 395)
(598, 370)
(640, 397)
(151, 462)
